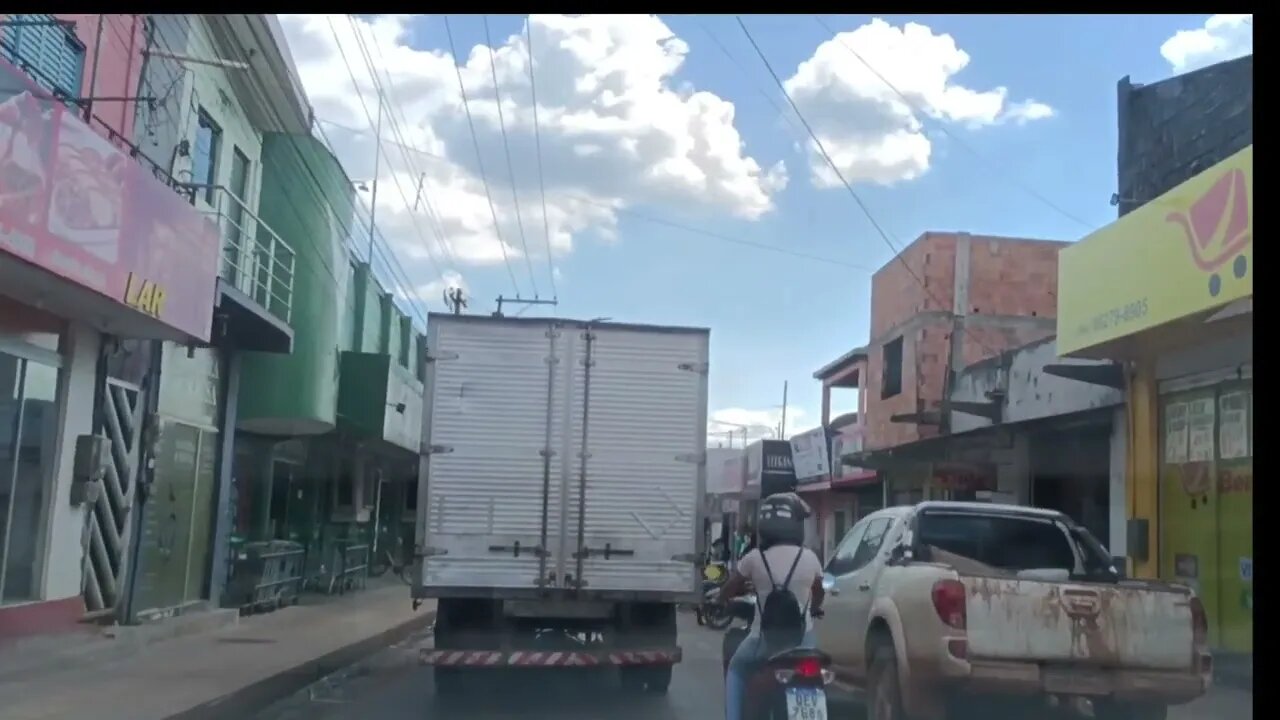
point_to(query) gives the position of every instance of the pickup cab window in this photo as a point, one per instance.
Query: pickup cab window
(859, 546)
(1011, 542)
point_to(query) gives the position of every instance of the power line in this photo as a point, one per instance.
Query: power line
(537, 143)
(1009, 177)
(639, 215)
(432, 216)
(506, 147)
(897, 254)
(378, 142)
(475, 141)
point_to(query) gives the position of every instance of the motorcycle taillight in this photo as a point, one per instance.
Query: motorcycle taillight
(809, 668)
(805, 671)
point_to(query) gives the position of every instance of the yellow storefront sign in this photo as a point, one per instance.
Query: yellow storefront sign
(1185, 252)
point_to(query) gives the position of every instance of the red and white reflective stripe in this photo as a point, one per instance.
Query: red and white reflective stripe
(474, 658)
(553, 659)
(644, 657)
(525, 658)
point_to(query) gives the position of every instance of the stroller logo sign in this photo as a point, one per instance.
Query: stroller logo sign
(1217, 229)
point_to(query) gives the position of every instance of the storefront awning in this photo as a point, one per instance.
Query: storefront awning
(91, 233)
(1179, 257)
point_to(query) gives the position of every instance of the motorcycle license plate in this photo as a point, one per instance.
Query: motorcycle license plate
(806, 704)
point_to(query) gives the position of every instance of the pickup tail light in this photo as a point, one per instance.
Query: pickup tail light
(1199, 622)
(949, 602)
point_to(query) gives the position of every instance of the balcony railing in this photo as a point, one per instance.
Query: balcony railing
(254, 258)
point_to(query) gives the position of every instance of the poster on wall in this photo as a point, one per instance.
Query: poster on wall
(1201, 414)
(1233, 427)
(1175, 433)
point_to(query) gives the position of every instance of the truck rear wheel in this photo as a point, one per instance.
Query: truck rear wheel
(647, 678)
(648, 626)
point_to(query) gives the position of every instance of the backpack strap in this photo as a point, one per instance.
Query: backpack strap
(769, 571)
(787, 583)
(795, 563)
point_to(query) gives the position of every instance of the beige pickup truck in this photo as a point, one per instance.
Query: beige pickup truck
(946, 610)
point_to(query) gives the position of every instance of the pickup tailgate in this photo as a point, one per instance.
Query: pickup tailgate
(1128, 625)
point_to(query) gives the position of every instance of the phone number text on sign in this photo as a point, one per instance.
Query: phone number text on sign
(1116, 316)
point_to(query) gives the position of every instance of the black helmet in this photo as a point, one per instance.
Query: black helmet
(781, 520)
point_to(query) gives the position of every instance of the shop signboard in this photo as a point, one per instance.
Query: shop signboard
(74, 204)
(1186, 252)
(811, 455)
(769, 467)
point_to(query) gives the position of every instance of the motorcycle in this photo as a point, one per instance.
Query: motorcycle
(788, 685)
(710, 611)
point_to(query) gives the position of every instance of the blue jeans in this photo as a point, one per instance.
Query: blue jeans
(741, 665)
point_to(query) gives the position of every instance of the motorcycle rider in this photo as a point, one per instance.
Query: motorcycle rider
(780, 527)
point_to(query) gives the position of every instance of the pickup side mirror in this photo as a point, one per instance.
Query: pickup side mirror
(900, 554)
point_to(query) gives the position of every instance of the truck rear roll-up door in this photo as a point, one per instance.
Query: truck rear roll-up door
(644, 416)
(491, 386)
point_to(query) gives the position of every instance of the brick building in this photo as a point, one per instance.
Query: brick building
(1000, 293)
(947, 301)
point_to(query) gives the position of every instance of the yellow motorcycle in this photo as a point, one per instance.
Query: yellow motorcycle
(711, 612)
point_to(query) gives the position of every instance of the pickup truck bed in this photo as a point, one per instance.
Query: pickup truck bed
(967, 602)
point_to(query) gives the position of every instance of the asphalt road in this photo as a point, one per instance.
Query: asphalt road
(392, 686)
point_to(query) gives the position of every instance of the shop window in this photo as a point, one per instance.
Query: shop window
(28, 442)
(204, 154)
(1206, 504)
(891, 372)
(51, 51)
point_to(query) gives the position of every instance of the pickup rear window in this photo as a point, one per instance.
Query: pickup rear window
(1010, 542)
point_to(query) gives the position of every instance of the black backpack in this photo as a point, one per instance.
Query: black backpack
(782, 621)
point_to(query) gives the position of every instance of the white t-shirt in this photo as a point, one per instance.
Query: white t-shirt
(780, 558)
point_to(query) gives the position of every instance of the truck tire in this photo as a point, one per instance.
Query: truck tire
(654, 679)
(884, 695)
(1114, 710)
(448, 681)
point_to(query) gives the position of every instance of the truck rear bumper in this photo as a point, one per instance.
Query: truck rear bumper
(1014, 678)
(543, 658)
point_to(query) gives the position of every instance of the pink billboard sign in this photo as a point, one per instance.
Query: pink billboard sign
(75, 205)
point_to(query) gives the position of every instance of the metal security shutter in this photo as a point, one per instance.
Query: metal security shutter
(55, 55)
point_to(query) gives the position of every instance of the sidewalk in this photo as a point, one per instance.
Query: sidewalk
(228, 672)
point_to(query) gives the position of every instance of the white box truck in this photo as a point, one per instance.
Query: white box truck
(559, 514)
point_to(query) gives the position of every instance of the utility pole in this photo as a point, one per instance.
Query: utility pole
(782, 426)
(454, 300)
(522, 301)
(377, 167)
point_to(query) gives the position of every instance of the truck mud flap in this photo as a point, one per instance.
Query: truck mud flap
(529, 658)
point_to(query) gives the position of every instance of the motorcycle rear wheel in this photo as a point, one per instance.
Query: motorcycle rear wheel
(718, 619)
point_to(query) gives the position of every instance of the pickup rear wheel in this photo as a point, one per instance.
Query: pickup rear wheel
(1113, 710)
(884, 696)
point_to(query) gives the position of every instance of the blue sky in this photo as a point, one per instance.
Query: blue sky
(620, 98)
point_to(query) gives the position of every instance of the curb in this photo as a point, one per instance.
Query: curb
(256, 696)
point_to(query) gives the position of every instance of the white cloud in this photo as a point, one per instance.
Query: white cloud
(871, 134)
(758, 423)
(1222, 37)
(614, 132)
